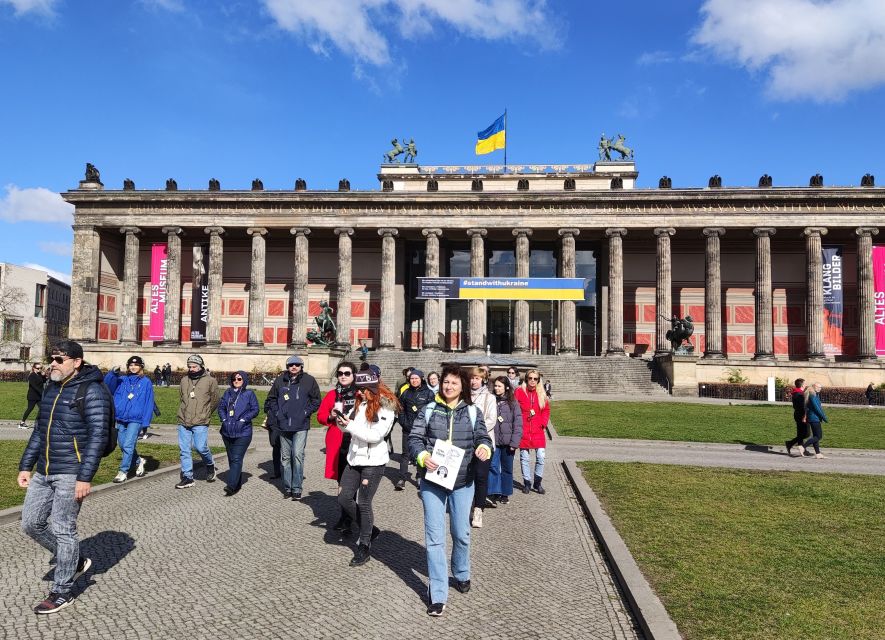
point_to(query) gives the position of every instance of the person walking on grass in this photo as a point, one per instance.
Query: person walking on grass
(535, 408)
(63, 452)
(798, 398)
(814, 415)
(508, 433)
(36, 380)
(198, 399)
(134, 409)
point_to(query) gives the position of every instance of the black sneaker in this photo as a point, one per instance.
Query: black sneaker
(504, 500)
(788, 446)
(463, 587)
(287, 495)
(184, 483)
(54, 602)
(526, 487)
(210, 473)
(296, 496)
(436, 609)
(375, 533)
(399, 485)
(82, 567)
(361, 556)
(489, 504)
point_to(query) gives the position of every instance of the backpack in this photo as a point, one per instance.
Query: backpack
(111, 425)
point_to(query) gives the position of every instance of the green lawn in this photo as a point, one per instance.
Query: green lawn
(157, 455)
(739, 554)
(739, 424)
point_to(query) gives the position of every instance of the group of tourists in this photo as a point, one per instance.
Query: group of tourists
(163, 375)
(808, 414)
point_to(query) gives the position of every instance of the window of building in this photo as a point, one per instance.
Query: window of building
(12, 330)
(39, 300)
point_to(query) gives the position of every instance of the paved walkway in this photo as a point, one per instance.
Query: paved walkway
(192, 563)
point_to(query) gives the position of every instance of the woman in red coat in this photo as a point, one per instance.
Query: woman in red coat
(535, 409)
(342, 399)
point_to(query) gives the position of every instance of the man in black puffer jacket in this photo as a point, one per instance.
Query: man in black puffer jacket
(414, 398)
(64, 452)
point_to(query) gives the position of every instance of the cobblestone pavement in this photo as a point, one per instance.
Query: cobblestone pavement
(193, 563)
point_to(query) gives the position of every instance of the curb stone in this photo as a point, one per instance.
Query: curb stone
(645, 605)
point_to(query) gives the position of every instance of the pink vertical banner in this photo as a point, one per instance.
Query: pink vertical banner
(157, 306)
(879, 297)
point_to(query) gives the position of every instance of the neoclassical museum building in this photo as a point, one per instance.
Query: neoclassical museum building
(756, 268)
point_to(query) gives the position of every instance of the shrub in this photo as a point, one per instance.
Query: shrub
(734, 375)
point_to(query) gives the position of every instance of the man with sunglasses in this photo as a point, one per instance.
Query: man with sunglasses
(36, 380)
(293, 397)
(64, 451)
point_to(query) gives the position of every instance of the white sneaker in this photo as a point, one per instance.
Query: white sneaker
(144, 436)
(23, 425)
(139, 470)
(801, 451)
(477, 518)
(120, 477)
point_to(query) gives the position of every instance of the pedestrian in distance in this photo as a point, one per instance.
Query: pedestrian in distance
(293, 397)
(198, 399)
(36, 381)
(814, 415)
(158, 376)
(508, 433)
(133, 409)
(485, 402)
(166, 374)
(535, 407)
(433, 382)
(339, 400)
(797, 396)
(57, 469)
(454, 420)
(236, 410)
(869, 394)
(367, 456)
(413, 400)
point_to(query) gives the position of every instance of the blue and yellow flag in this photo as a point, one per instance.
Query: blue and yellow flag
(493, 137)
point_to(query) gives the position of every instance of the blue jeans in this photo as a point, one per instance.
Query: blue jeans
(236, 451)
(817, 435)
(292, 444)
(459, 503)
(501, 472)
(525, 460)
(196, 438)
(127, 436)
(47, 496)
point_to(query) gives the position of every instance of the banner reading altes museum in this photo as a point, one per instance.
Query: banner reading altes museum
(879, 297)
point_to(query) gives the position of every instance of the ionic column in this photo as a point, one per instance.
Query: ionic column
(345, 280)
(172, 314)
(866, 318)
(814, 301)
(476, 317)
(433, 309)
(256, 287)
(521, 311)
(130, 292)
(663, 292)
(567, 315)
(216, 284)
(299, 305)
(713, 294)
(764, 330)
(615, 291)
(85, 267)
(388, 285)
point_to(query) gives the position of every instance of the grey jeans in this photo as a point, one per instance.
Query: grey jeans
(49, 516)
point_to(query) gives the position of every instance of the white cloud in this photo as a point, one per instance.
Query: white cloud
(655, 57)
(57, 248)
(818, 49)
(168, 5)
(21, 7)
(34, 205)
(360, 28)
(58, 275)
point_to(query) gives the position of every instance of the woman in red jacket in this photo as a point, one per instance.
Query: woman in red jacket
(342, 399)
(535, 409)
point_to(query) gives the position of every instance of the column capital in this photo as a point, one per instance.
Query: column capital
(342, 230)
(522, 231)
(615, 231)
(661, 232)
(714, 232)
(176, 230)
(814, 231)
(256, 231)
(569, 232)
(867, 231)
(764, 232)
(431, 232)
(477, 232)
(128, 230)
(388, 232)
(214, 231)
(299, 231)
(84, 227)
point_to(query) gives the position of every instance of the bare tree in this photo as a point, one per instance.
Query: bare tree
(17, 326)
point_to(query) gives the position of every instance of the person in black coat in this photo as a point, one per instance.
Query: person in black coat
(414, 398)
(36, 380)
(798, 399)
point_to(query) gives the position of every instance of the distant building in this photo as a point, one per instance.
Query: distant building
(34, 311)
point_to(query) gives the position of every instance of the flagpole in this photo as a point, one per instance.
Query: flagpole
(505, 139)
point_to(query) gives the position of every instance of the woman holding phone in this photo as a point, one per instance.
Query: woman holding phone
(338, 401)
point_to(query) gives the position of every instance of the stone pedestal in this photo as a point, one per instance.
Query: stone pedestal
(681, 371)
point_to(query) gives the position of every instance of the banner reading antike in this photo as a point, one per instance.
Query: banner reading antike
(200, 293)
(879, 297)
(157, 301)
(833, 303)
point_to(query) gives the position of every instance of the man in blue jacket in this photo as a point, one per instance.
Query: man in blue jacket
(64, 451)
(292, 399)
(134, 409)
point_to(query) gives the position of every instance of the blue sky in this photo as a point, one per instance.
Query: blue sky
(281, 89)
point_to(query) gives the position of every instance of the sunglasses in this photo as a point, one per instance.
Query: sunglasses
(238, 378)
(532, 378)
(512, 372)
(344, 373)
(59, 359)
(295, 365)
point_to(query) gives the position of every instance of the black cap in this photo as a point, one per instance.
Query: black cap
(135, 360)
(68, 348)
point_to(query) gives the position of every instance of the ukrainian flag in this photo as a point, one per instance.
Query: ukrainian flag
(493, 137)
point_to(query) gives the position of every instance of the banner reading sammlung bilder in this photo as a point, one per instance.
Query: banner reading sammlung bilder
(200, 293)
(833, 302)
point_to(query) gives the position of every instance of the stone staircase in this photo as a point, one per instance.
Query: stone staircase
(592, 375)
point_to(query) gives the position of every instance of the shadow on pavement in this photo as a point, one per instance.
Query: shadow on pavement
(762, 448)
(406, 558)
(105, 549)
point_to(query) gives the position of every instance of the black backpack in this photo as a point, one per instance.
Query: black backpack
(111, 425)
